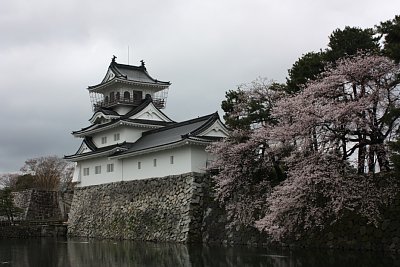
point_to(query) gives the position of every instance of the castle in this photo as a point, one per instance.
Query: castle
(130, 138)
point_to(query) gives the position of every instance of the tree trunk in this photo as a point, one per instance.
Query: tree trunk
(383, 160)
(371, 159)
(361, 155)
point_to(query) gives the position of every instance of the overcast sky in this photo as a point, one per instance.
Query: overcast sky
(50, 51)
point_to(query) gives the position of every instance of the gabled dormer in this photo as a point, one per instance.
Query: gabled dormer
(102, 116)
(125, 87)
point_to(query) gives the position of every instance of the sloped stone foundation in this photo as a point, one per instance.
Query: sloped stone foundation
(157, 209)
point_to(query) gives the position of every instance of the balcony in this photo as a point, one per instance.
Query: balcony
(109, 103)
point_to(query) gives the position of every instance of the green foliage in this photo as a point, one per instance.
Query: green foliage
(349, 41)
(232, 99)
(342, 43)
(242, 110)
(306, 68)
(7, 207)
(390, 30)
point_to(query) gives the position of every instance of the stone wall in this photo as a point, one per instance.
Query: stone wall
(182, 209)
(156, 209)
(42, 205)
(351, 232)
(64, 203)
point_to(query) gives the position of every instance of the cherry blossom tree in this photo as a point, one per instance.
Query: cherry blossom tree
(320, 190)
(354, 108)
(352, 111)
(246, 171)
(331, 140)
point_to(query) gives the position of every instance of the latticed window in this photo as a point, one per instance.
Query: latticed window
(104, 140)
(110, 167)
(127, 95)
(97, 169)
(85, 171)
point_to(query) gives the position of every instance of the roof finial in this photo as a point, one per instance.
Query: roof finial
(113, 58)
(142, 61)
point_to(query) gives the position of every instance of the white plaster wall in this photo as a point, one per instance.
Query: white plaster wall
(77, 173)
(182, 164)
(190, 158)
(131, 134)
(199, 158)
(127, 133)
(104, 176)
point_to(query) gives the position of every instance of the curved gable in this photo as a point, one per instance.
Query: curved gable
(83, 149)
(217, 129)
(150, 112)
(102, 117)
(109, 76)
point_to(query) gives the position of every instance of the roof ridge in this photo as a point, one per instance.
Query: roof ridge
(179, 124)
(128, 66)
(114, 68)
(208, 123)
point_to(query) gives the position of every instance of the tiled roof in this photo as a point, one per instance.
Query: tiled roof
(171, 134)
(133, 73)
(168, 135)
(106, 112)
(107, 150)
(125, 117)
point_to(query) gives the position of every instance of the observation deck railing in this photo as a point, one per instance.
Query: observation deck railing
(107, 103)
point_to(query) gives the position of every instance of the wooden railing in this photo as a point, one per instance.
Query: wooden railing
(159, 103)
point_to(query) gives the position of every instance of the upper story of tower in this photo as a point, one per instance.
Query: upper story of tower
(125, 87)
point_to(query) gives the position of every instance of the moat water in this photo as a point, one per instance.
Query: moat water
(52, 252)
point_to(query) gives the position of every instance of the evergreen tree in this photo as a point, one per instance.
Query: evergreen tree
(306, 68)
(390, 31)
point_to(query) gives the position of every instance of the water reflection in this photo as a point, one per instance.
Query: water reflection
(82, 252)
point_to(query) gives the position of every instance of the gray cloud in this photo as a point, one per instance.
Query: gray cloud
(51, 51)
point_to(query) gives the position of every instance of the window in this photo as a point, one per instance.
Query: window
(127, 96)
(112, 96)
(85, 171)
(171, 159)
(139, 165)
(116, 137)
(137, 95)
(97, 169)
(155, 162)
(117, 96)
(104, 140)
(110, 167)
